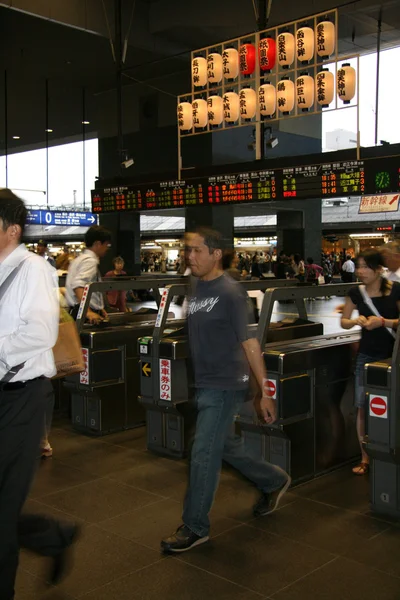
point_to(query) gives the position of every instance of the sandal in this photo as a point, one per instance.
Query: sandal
(361, 469)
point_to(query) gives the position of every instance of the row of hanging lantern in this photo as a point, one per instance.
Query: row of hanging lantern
(305, 44)
(305, 92)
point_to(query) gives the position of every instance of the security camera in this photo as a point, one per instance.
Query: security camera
(127, 163)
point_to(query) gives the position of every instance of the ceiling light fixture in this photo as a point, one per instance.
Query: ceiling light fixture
(85, 122)
(16, 137)
(49, 131)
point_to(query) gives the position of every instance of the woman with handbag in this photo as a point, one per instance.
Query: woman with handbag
(378, 303)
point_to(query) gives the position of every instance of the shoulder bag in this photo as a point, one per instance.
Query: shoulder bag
(367, 300)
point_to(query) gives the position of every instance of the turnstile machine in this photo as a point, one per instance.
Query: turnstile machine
(167, 391)
(382, 442)
(104, 397)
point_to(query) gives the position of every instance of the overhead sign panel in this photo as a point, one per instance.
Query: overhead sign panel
(61, 218)
(380, 203)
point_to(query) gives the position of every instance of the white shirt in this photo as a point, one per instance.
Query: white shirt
(348, 267)
(394, 275)
(29, 316)
(84, 270)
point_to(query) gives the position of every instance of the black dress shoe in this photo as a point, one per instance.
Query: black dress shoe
(61, 562)
(270, 502)
(182, 540)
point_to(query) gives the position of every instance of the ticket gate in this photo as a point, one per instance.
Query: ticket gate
(104, 396)
(382, 442)
(167, 393)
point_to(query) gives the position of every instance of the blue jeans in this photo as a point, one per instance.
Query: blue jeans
(215, 441)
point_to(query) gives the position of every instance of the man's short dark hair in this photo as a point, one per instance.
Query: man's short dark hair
(12, 210)
(212, 239)
(97, 234)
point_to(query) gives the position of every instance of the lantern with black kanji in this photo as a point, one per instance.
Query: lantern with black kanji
(230, 63)
(231, 107)
(325, 88)
(267, 53)
(214, 67)
(346, 83)
(267, 100)
(185, 116)
(247, 103)
(285, 42)
(325, 39)
(285, 95)
(199, 71)
(247, 56)
(215, 105)
(200, 113)
(305, 44)
(305, 92)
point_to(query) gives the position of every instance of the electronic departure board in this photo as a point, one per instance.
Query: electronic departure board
(325, 180)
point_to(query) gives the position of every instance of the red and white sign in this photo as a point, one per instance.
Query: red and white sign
(378, 407)
(84, 375)
(380, 203)
(165, 379)
(161, 308)
(270, 388)
(82, 304)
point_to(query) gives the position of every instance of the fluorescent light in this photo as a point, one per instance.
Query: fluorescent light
(367, 235)
(16, 137)
(166, 241)
(49, 131)
(85, 122)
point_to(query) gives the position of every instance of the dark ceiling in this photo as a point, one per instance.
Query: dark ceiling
(68, 44)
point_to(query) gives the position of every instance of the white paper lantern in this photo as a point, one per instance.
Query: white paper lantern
(346, 83)
(200, 113)
(231, 107)
(215, 106)
(214, 67)
(185, 116)
(267, 99)
(305, 44)
(230, 63)
(305, 92)
(247, 103)
(325, 88)
(285, 43)
(285, 96)
(199, 71)
(325, 39)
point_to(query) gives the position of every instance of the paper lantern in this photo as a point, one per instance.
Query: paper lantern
(230, 63)
(325, 39)
(305, 44)
(200, 113)
(214, 67)
(247, 103)
(199, 71)
(285, 95)
(346, 83)
(247, 59)
(231, 107)
(285, 49)
(215, 106)
(325, 88)
(185, 116)
(305, 92)
(267, 99)
(267, 54)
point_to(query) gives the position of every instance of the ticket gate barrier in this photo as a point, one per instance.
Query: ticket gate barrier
(382, 442)
(313, 385)
(104, 396)
(168, 392)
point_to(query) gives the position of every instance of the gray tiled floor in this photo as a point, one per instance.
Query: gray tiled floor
(322, 543)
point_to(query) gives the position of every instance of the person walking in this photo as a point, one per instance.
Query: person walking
(117, 298)
(29, 313)
(221, 354)
(378, 303)
(348, 270)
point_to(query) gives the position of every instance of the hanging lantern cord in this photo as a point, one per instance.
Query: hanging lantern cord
(255, 9)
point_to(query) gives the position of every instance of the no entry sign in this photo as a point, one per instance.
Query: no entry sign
(378, 407)
(270, 388)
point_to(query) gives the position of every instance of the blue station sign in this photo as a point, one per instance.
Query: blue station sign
(61, 218)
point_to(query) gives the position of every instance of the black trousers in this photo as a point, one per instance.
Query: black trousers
(22, 413)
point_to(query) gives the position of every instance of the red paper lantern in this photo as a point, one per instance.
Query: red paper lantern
(247, 57)
(267, 54)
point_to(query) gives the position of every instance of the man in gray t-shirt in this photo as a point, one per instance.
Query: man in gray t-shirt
(222, 354)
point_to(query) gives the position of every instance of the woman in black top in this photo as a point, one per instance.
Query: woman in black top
(376, 341)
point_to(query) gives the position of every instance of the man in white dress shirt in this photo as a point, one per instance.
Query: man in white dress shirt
(348, 270)
(391, 256)
(29, 315)
(84, 270)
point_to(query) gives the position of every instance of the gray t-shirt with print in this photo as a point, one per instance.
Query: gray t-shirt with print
(218, 321)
